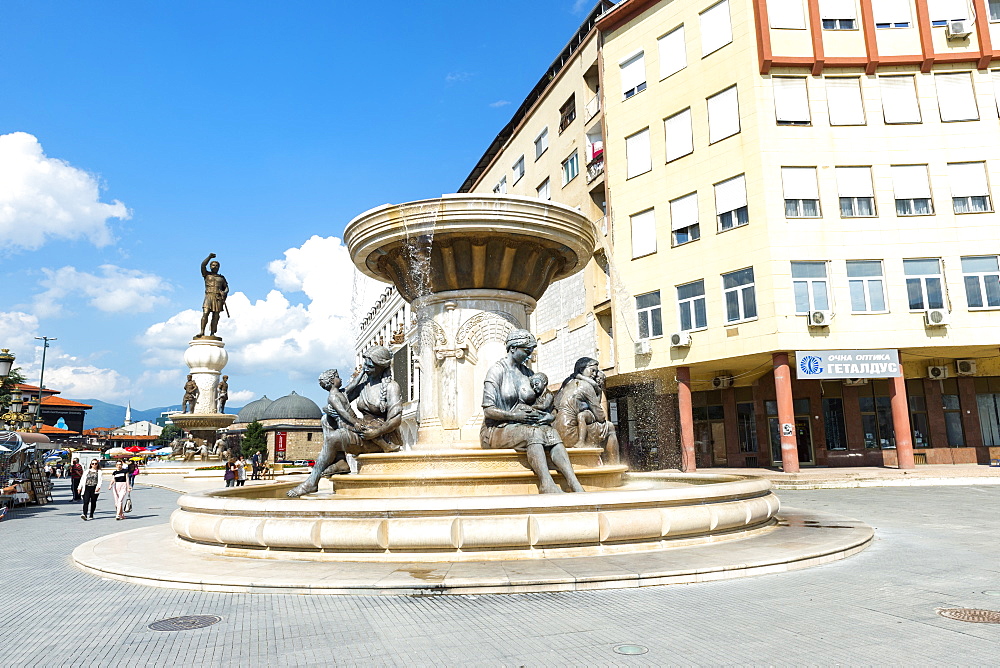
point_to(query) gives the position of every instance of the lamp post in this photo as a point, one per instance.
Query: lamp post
(6, 362)
(41, 379)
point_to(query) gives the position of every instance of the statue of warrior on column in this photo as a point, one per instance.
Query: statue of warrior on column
(216, 293)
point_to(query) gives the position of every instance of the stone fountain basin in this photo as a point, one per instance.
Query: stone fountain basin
(496, 242)
(653, 512)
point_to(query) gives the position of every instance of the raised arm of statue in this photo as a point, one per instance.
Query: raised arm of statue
(204, 264)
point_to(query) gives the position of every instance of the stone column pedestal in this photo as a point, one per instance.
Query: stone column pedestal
(206, 358)
(461, 333)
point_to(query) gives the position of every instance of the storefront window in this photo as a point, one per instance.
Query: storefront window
(918, 422)
(833, 422)
(876, 422)
(746, 427)
(953, 420)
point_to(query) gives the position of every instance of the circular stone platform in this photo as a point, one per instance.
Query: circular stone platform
(799, 539)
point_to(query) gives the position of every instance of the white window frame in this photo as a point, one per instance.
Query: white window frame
(730, 202)
(993, 9)
(791, 100)
(712, 18)
(518, 169)
(726, 105)
(684, 210)
(956, 96)
(980, 278)
(672, 50)
(800, 202)
(815, 286)
(642, 228)
(908, 188)
(678, 136)
(638, 156)
(854, 184)
(843, 108)
(689, 306)
(900, 115)
(786, 15)
(544, 188)
(570, 164)
(501, 187)
(741, 291)
(866, 283)
(646, 317)
(541, 143)
(892, 14)
(970, 188)
(838, 15)
(923, 280)
(629, 68)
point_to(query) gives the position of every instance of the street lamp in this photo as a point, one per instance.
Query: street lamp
(6, 362)
(41, 379)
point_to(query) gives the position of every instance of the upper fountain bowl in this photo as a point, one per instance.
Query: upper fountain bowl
(461, 242)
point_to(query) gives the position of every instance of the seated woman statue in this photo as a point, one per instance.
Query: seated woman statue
(580, 417)
(511, 422)
(380, 403)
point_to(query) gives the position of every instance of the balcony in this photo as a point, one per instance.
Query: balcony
(595, 167)
(592, 108)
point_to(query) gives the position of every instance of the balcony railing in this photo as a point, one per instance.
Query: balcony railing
(595, 167)
(592, 108)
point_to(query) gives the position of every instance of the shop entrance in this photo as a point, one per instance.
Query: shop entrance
(803, 439)
(803, 431)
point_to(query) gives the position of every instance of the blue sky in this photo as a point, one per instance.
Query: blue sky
(137, 137)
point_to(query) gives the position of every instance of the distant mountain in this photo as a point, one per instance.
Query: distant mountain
(104, 414)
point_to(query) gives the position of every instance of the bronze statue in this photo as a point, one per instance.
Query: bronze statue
(510, 422)
(223, 394)
(580, 417)
(380, 403)
(191, 393)
(216, 293)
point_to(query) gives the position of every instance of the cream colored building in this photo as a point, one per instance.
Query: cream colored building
(553, 148)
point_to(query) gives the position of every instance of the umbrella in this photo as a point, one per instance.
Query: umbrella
(118, 453)
(134, 448)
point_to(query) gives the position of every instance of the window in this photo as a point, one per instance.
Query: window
(899, 99)
(891, 13)
(994, 10)
(716, 28)
(912, 190)
(544, 190)
(876, 419)
(843, 100)
(801, 192)
(647, 309)
(833, 423)
(918, 421)
(518, 169)
(969, 191)
(643, 233)
(567, 113)
(786, 14)
(570, 168)
(723, 115)
(746, 427)
(637, 158)
(673, 52)
(924, 286)
(679, 138)
(791, 101)
(741, 299)
(633, 72)
(956, 99)
(691, 306)
(501, 188)
(942, 11)
(810, 287)
(982, 281)
(838, 14)
(857, 197)
(953, 420)
(541, 143)
(731, 203)
(684, 219)
(867, 286)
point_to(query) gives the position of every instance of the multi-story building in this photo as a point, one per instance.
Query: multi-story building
(553, 149)
(789, 176)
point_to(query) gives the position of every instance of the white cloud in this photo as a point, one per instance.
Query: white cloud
(458, 77)
(113, 290)
(87, 381)
(241, 397)
(499, 103)
(45, 198)
(17, 332)
(277, 334)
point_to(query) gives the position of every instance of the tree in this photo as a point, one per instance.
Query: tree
(7, 386)
(167, 436)
(254, 439)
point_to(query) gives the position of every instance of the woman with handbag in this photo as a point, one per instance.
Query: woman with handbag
(230, 475)
(89, 487)
(120, 488)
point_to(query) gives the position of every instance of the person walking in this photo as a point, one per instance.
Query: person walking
(89, 487)
(241, 472)
(230, 475)
(255, 461)
(120, 488)
(75, 473)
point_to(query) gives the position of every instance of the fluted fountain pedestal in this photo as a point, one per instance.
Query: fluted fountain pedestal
(205, 357)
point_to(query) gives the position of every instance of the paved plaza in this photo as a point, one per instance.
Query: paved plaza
(935, 547)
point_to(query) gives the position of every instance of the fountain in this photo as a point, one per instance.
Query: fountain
(472, 267)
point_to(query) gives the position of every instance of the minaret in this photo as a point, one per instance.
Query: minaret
(128, 413)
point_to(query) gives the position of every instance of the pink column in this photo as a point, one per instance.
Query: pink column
(688, 460)
(786, 413)
(901, 422)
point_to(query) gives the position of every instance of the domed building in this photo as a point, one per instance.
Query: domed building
(252, 411)
(292, 425)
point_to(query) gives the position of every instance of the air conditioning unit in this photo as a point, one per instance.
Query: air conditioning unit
(959, 28)
(965, 367)
(936, 317)
(820, 318)
(937, 372)
(680, 339)
(855, 381)
(720, 382)
(643, 348)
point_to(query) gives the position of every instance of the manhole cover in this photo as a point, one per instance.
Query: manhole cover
(186, 623)
(971, 615)
(630, 649)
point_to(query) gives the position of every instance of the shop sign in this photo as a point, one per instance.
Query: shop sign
(280, 441)
(831, 364)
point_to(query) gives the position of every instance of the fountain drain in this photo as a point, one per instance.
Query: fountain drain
(971, 615)
(185, 623)
(630, 649)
